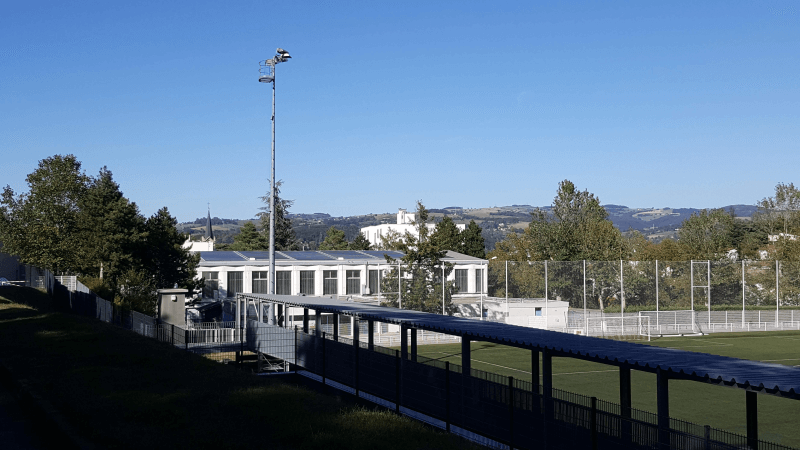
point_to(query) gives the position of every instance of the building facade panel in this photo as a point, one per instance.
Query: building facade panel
(328, 276)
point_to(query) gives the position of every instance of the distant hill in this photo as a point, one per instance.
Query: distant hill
(641, 219)
(497, 222)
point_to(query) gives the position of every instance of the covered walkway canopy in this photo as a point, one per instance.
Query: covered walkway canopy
(751, 376)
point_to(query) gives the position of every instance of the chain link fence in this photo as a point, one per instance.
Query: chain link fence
(703, 296)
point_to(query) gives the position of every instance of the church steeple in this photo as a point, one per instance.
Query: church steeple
(209, 231)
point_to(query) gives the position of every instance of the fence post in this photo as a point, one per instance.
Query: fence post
(662, 405)
(172, 339)
(751, 415)
(511, 412)
(625, 401)
(241, 341)
(356, 347)
(447, 395)
(397, 382)
(707, 437)
(322, 336)
(593, 423)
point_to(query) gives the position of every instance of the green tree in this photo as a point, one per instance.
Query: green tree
(285, 238)
(421, 273)
(166, 260)
(707, 234)
(41, 226)
(473, 242)
(83, 225)
(136, 290)
(111, 228)
(360, 242)
(748, 238)
(334, 240)
(575, 228)
(249, 238)
(447, 236)
(781, 213)
(779, 216)
(392, 240)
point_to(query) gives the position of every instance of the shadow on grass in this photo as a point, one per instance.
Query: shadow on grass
(27, 296)
(13, 311)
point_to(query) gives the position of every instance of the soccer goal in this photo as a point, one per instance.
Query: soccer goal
(672, 323)
(618, 326)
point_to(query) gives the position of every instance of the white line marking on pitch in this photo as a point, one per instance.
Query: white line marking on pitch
(525, 371)
(773, 360)
(484, 362)
(590, 371)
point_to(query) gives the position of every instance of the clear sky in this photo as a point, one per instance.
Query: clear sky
(645, 104)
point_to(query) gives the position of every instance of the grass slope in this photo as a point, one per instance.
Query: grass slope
(121, 390)
(704, 404)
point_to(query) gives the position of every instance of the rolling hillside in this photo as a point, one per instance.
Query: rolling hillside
(496, 221)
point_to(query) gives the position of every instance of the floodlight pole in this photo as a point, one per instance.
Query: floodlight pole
(272, 197)
(267, 75)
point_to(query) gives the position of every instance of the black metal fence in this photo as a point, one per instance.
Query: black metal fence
(504, 409)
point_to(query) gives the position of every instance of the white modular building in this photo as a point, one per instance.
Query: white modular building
(337, 273)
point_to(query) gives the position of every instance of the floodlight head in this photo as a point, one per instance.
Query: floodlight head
(284, 54)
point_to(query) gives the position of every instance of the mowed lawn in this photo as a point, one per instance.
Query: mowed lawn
(700, 403)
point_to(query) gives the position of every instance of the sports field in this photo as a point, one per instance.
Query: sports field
(704, 404)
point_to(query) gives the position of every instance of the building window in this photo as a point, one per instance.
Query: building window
(329, 281)
(537, 312)
(479, 280)
(353, 282)
(283, 282)
(374, 281)
(462, 280)
(235, 283)
(261, 282)
(307, 282)
(211, 283)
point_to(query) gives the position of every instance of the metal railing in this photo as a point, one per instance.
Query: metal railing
(507, 411)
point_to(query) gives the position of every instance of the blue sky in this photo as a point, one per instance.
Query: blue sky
(645, 104)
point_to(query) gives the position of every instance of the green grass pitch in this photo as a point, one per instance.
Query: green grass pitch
(704, 404)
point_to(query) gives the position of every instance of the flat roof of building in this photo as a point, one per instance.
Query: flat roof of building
(679, 364)
(224, 258)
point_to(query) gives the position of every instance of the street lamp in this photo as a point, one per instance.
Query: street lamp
(266, 73)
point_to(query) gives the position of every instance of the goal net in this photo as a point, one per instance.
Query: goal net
(672, 323)
(617, 326)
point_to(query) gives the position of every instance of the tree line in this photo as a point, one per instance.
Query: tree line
(577, 228)
(76, 224)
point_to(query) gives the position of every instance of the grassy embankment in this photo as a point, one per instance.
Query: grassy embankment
(704, 404)
(122, 390)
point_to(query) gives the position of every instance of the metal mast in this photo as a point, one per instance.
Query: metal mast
(267, 75)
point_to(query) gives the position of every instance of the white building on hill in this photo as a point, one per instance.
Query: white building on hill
(405, 224)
